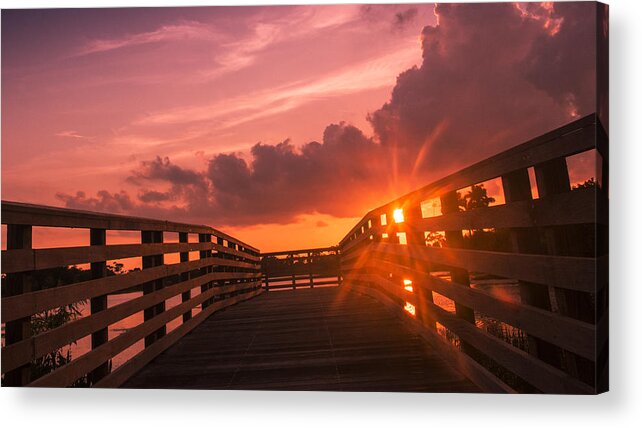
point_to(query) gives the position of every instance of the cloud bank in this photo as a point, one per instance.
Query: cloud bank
(492, 76)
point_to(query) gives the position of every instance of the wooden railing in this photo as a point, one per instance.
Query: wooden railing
(426, 266)
(435, 264)
(225, 272)
(306, 268)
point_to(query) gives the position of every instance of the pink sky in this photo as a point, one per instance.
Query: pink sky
(140, 103)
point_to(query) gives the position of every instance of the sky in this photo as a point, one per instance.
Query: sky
(280, 125)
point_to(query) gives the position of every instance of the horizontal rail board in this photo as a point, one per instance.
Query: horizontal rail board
(301, 285)
(573, 273)
(568, 333)
(576, 137)
(124, 372)
(231, 251)
(38, 215)
(287, 276)
(69, 373)
(301, 252)
(550, 221)
(299, 279)
(226, 267)
(462, 362)
(301, 276)
(537, 373)
(564, 144)
(22, 352)
(23, 305)
(28, 260)
(576, 207)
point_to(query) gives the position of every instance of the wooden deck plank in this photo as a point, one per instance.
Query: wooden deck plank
(322, 339)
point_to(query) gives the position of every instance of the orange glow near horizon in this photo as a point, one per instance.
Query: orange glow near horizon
(309, 232)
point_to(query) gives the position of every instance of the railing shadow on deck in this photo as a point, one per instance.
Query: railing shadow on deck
(225, 272)
(411, 254)
(416, 255)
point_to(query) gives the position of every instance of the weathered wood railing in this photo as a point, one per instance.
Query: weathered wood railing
(553, 249)
(225, 272)
(305, 268)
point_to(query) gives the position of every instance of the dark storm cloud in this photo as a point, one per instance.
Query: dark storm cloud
(163, 169)
(103, 201)
(154, 196)
(283, 181)
(492, 76)
(280, 183)
(564, 65)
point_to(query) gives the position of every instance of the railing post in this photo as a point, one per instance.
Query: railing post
(185, 276)
(602, 249)
(454, 239)
(552, 178)
(339, 271)
(517, 187)
(291, 260)
(221, 255)
(415, 236)
(97, 304)
(412, 216)
(310, 267)
(153, 237)
(204, 254)
(19, 237)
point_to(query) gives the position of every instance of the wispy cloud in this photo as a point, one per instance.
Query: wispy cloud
(242, 53)
(374, 73)
(72, 135)
(239, 52)
(267, 31)
(189, 30)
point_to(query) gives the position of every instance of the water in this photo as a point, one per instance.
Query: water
(505, 290)
(83, 345)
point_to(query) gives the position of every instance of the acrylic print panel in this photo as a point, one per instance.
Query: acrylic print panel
(401, 197)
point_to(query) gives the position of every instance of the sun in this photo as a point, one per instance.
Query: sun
(397, 215)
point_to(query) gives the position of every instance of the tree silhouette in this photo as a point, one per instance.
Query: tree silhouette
(588, 184)
(435, 239)
(477, 197)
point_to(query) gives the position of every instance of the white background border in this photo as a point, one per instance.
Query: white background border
(620, 407)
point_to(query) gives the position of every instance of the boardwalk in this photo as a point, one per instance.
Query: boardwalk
(418, 258)
(320, 339)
